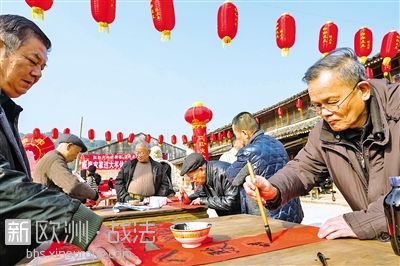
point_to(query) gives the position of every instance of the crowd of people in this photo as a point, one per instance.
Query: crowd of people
(356, 144)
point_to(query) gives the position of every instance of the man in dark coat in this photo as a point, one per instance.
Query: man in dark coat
(51, 213)
(213, 187)
(267, 155)
(141, 177)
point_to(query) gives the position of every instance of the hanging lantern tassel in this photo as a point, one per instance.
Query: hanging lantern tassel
(103, 27)
(39, 7)
(166, 35)
(386, 68)
(37, 13)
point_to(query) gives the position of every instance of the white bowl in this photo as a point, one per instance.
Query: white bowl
(191, 234)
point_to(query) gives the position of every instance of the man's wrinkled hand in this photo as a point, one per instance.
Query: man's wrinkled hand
(106, 246)
(267, 191)
(334, 228)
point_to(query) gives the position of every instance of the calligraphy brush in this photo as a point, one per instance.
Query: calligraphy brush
(259, 201)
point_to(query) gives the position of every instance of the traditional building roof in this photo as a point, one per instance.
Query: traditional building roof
(298, 128)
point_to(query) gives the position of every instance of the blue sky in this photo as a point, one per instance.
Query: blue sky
(130, 81)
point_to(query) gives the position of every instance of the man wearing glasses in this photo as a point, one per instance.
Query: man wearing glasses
(357, 143)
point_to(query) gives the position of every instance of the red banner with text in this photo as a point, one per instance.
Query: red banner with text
(105, 161)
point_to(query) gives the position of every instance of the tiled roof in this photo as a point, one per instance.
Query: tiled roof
(302, 127)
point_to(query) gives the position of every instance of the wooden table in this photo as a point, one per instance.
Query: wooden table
(339, 251)
(165, 214)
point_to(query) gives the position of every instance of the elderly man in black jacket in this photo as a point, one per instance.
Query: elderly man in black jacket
(141, 177)
(213, 187)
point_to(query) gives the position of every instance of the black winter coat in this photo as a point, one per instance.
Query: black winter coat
(218, 193)
(124, 178)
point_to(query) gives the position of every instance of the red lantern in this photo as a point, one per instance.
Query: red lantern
(108, 136)
(163, 14)
(299, 104)
(194, 139)
(363, 43)
(120, 137)
(54, 133)
(386, 69)
(285, 33)
(39, 145)
(131, 138)
(369, 72)
(38, 7)
(36, 133)
(91, 134)
(328, 36)
(213, 138)
(173, 139)
(280, 112)
(389, 48)
(160, 139)
(198, 116)
(220, 137)
(103, 11)
(184, 139)
(148, 138)
(229, 135)
(227, 22)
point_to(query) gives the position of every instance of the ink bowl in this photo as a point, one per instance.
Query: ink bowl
(190, 234)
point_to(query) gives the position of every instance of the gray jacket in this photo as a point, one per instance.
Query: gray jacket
(52, 171)
(328, 153)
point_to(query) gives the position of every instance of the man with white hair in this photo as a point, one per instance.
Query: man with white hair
(141, 177)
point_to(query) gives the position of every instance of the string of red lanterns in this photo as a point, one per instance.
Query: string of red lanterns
(163, 15)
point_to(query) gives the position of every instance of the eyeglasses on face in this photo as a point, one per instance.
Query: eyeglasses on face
(332, 107)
